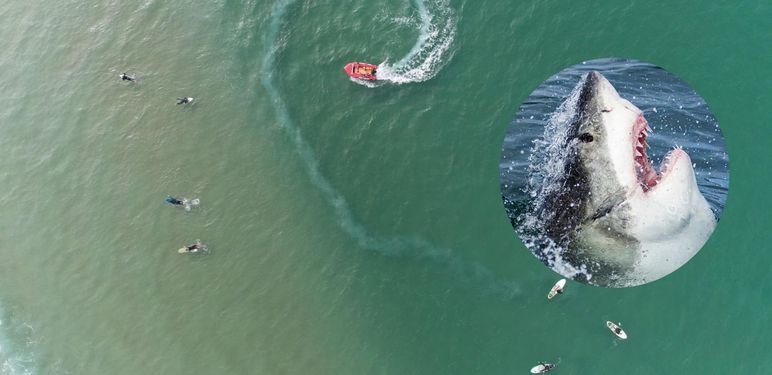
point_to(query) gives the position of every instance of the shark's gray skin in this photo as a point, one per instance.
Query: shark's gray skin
(613, 214)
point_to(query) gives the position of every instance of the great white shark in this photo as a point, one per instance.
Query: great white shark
(614, 214)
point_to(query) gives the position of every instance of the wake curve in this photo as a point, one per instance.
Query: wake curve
(346, 220)
(431, 51)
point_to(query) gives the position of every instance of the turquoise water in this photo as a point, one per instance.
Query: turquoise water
(352, 229)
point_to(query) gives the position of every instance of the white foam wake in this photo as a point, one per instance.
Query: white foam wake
(402, 245)
(16, 354)
(431, 51)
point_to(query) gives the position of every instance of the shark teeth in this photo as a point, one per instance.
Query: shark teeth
(647, 177)
(665, 165)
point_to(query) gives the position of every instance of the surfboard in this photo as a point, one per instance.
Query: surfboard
(541, 369)
(184, 250)
(558, 286)
(612, 326)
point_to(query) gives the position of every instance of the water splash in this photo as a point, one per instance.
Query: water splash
(16, 354)
(431, 51)
(401, 245)
(546, 176)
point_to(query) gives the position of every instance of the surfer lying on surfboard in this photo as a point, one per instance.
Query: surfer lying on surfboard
(184, 202)
(542, 368)
(616, 330)
(194, 248)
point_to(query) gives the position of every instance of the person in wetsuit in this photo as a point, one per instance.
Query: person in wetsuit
(174, 201)
(126, 77)
(546, 366)
(195, 247)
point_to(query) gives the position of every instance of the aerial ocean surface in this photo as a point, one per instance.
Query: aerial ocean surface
(352, 228)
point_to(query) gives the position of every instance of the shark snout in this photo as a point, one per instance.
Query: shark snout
(600, 88)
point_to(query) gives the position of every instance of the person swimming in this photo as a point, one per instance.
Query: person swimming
(184, 100)
(185, 203)
(126, 77)
(172, 200)
(195, 247)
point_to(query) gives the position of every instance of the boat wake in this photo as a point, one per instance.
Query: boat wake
(431, 51)
(400, 245)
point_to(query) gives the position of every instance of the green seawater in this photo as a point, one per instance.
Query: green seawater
(352, 229)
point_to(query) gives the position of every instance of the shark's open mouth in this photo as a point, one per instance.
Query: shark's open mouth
(647, 176)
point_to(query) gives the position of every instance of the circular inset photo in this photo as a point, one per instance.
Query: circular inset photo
(614, 172)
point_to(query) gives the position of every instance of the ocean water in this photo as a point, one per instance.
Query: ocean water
(353, 229)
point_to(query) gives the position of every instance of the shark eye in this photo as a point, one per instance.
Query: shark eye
(586, 137)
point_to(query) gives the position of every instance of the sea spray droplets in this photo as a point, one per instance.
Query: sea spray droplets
(16, 347)
(545, 171)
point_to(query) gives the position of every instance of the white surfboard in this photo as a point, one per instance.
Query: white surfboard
(541, 369)
(558, 286)
(184, 250)
(613, 328)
